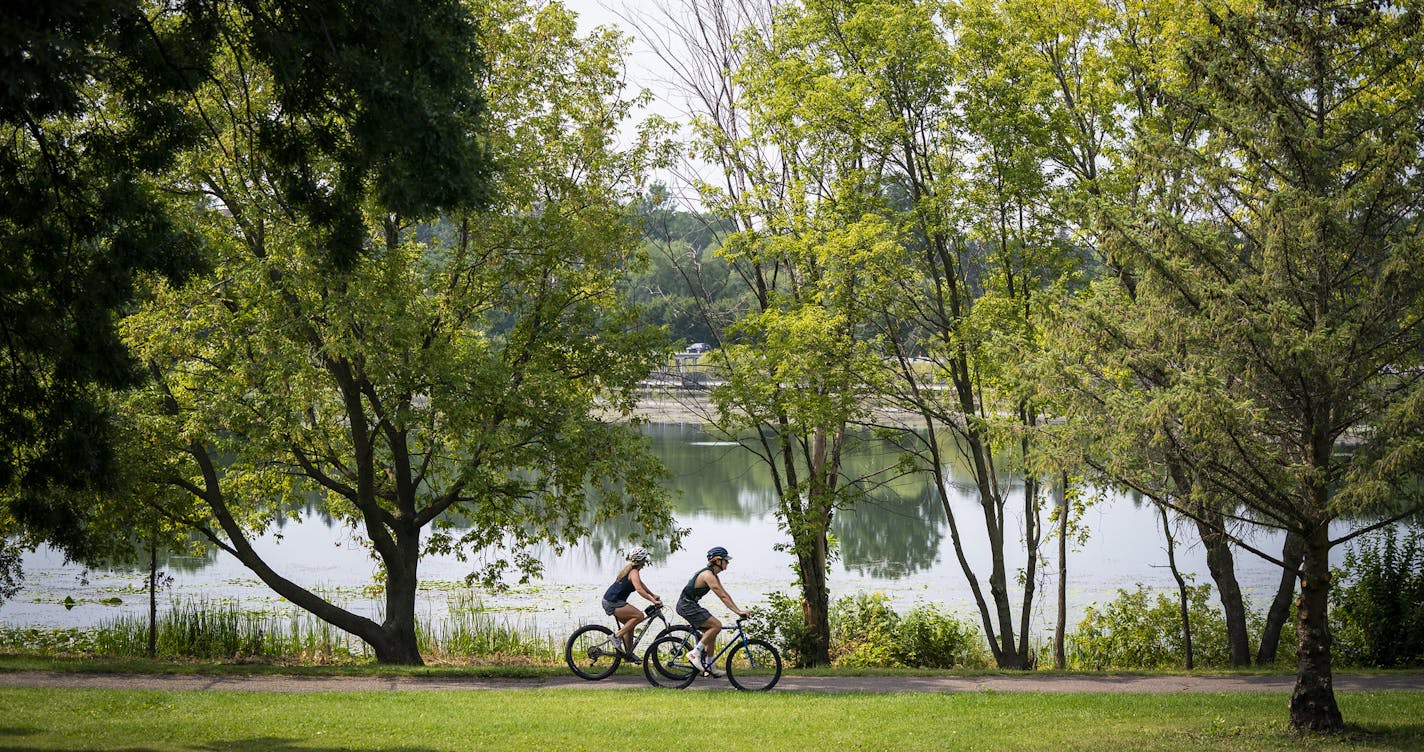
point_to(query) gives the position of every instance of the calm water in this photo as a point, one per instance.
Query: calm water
(896, 542)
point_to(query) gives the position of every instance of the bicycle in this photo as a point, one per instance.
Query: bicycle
(752, 664)
(593, 653)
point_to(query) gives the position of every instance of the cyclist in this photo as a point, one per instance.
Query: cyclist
(688, 608)
(615, 600)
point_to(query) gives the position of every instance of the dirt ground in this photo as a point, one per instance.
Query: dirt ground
(829, 684)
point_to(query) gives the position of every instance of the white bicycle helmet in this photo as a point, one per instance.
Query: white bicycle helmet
(640, 555)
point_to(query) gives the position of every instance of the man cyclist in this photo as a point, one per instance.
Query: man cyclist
(705, 580)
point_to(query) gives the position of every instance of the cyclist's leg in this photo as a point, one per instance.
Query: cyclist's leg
(709, 629)
(629, 616)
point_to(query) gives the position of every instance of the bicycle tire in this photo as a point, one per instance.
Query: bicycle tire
(754, 666)
(676, 629)
(665, 663)
(585, 653)
(681, 631)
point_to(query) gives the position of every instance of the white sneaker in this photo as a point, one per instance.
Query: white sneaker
(694, 656)
(712, 670)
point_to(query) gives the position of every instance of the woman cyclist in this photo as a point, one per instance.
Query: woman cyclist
(688, 607)
(615, 600)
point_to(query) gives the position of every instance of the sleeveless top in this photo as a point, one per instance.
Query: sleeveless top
(620, 589)
(691, 592)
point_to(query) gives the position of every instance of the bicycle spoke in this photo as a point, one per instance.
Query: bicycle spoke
(754, 666)
(591, 652)
(666, 663)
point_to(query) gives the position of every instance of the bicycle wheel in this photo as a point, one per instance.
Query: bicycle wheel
(754, 666)
(591, 652)
(665, 664)
(681, 630)
(688, 637)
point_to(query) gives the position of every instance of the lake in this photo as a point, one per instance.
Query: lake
(895, 542)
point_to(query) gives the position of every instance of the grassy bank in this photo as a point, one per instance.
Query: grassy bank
(51, 719)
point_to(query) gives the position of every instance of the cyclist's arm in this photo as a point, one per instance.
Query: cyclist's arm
(716, 584)
(642, 589)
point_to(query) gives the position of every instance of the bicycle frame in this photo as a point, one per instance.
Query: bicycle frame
(740, 639)
(643, 628)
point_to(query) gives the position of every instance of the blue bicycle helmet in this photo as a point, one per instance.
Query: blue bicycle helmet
(717, 551)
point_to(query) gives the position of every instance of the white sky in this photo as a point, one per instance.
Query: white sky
(644, 69)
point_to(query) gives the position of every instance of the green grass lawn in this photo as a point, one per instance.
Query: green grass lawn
(717, 721)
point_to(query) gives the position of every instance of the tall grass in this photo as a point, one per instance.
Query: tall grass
(471, 632)
(222, 630)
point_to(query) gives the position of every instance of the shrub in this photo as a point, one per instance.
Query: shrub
(863, 631)
(929, 638)
(781, 623)
(1377, 609)
(1138, 630)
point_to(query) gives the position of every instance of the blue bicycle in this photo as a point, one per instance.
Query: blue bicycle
(751, 664)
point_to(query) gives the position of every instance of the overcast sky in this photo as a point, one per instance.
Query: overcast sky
(645, 71)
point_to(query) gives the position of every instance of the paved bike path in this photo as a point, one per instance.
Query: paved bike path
(825, 684)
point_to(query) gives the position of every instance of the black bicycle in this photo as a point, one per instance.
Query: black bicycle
(593, 653)
(751, 664)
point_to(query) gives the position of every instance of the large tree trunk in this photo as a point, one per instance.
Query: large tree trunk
(395, 642)
(815, 608)
(1312, 704)
(1291, 554)
(810, 528)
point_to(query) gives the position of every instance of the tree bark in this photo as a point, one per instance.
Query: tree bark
(1222, 565)
(395, 642)
(815, 610)
(1291, 554)
(1312, 704)
(153, 596)
(1183, 599)
(1060, 627)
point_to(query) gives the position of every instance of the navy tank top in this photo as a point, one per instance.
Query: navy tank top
(620, 589)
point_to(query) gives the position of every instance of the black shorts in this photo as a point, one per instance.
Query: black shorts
(695, 614)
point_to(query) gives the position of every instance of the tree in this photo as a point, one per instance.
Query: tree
(80, 222)
(808, 248)
(436, 388)
(1269, 343)
(686, 286)
(962, 133)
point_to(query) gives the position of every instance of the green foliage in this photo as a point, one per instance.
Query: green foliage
(88, 114)
(780, 621)
(436, 387)
(866, 632)
(929, 638)
(224, 631)
(686, 287)
(863, 631)
(1377, 607)
(1138, 630)
(381, 97)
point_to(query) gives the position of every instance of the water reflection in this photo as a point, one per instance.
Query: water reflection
(891, 538)
(713, 478)
(894, 540)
